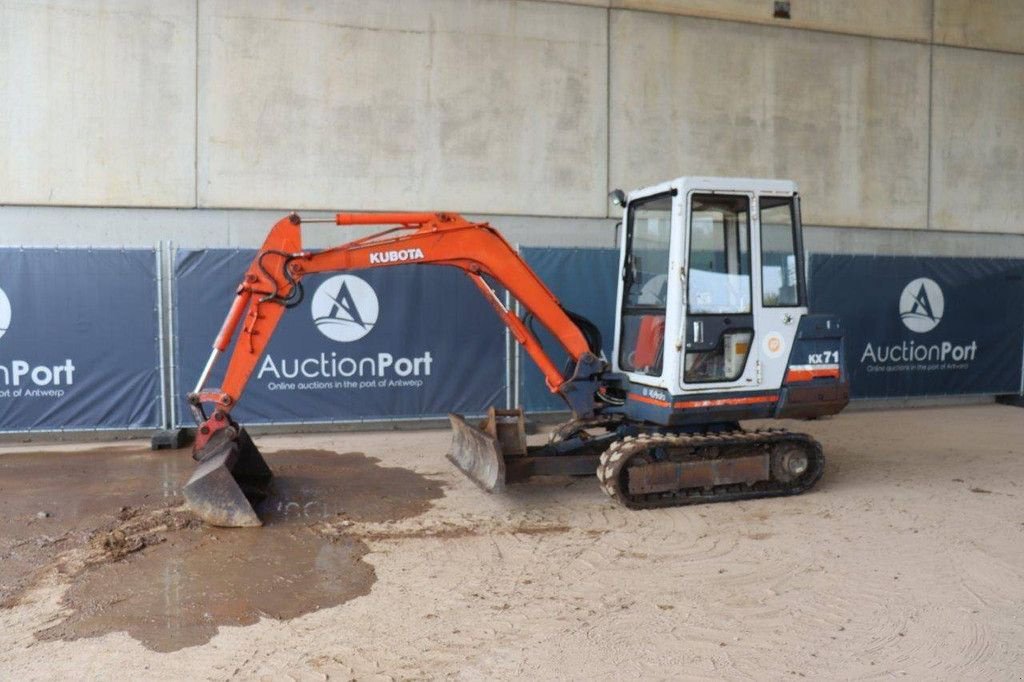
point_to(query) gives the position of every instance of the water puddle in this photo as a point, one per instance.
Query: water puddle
(170, 582)
(51, 502)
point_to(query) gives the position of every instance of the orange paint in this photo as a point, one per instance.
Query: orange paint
(798, 374)
(718, 402)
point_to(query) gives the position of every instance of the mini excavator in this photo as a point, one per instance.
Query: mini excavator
(712, 328)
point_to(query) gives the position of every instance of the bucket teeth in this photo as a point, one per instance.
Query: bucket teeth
(477, 454)
(231, 479)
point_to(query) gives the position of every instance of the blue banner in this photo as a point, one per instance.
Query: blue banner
(78, 339)
(925, 326)
(411, 341)
(585, 282)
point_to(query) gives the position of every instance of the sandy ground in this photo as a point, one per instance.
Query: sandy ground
(907, 560)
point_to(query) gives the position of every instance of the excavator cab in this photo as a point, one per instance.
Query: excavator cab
(690, 284)
(712, 328)
(712, 304)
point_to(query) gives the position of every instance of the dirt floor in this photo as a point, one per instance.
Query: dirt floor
(379, 560)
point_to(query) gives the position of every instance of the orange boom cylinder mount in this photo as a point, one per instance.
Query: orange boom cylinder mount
(273, 283)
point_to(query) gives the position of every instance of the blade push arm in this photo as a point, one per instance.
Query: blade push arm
(273, 282)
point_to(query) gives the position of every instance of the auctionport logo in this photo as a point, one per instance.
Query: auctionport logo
(5, 313)
(921, 308)
(345, 308)
(921, 305)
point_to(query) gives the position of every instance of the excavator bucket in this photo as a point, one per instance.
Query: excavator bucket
(229, 482)
(480, 452)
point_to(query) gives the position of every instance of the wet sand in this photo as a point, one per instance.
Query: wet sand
(907, 560)
(165, 578)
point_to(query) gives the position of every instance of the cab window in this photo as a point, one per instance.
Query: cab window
(719, 263)
(645, 284)
(780, 271)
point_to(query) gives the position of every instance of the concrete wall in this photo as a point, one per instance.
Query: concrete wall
(846, 117)
(97, 103)
(83, 227)
(490, 105)
(982, 24)
(896, 115)
(977, 141)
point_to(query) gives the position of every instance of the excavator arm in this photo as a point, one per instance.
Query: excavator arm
(273, 283)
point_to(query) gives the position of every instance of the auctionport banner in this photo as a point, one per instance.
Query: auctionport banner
(405, 341)
(585, 281)
(925, 326)
(78, 339)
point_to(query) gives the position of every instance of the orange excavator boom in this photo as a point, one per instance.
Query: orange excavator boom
(272, 283)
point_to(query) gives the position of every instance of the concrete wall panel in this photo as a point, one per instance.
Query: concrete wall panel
(845, 117)
(903, 19)
(977, 141)
(990, 24)
(212, 228)
(97, 102)
(470, 105)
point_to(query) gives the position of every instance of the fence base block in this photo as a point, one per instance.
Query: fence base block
(1015, 400)
(170, 439)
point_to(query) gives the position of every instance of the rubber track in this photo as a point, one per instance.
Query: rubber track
(618, 455)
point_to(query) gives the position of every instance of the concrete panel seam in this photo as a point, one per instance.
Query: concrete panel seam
(932, 27)
(608, 106)
(931, 109)
(932, 41)
(977, 49)
(195, 122)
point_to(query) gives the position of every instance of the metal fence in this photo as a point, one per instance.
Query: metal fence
(110, 339)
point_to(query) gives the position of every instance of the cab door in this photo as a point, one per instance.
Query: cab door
(647, 294)
(720, 308)
(783, 297)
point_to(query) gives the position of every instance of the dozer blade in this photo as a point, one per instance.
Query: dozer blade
(229, 482)
(477, 454)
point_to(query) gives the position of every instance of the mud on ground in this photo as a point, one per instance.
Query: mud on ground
(155, 571)
(906, 560)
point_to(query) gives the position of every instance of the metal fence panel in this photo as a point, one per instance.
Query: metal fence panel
(585, 281)
(412, 341)
(78, 339)
(919, 326)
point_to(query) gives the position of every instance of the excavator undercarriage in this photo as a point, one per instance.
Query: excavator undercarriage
(640, 466)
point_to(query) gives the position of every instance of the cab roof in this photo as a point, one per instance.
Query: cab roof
(717, 184)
